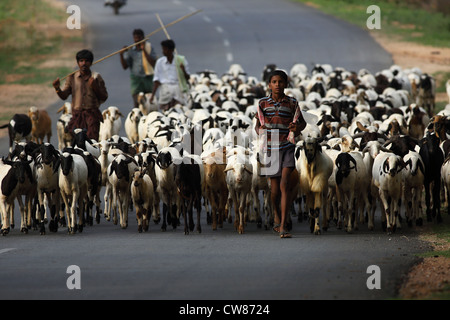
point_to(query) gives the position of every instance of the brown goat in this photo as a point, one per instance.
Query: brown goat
(216, 186)
(41, 125)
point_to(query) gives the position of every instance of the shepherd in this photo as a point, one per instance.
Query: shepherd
(88, 92)
(171, 77)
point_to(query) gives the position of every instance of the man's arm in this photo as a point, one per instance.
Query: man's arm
(123, 61)
(98, 86)
(156, 85)
(63, 94)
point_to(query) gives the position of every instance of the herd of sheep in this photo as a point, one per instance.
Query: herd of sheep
(370, 139)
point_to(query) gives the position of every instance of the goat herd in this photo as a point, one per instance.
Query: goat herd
(370, 138)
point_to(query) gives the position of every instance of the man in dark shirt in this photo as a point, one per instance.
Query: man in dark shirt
(88, 93)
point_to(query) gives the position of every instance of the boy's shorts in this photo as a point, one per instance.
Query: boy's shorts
(285, 159)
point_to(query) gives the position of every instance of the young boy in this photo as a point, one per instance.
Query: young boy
(282, 113)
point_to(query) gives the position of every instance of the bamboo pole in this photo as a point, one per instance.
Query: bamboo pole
(164, 28)
(145, 39)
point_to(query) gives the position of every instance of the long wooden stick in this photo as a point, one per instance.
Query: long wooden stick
(145, 39)
(164, 28)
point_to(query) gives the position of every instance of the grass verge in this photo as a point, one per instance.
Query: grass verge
(409, 19)
(36, 47)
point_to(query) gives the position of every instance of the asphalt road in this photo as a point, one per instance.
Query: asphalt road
(214, 265)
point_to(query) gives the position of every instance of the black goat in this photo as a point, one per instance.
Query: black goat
(433, 158)
(188, 181)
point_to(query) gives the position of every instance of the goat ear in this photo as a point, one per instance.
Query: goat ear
(420, 164)
(386, 166)
(354, 161)
(409, 162)
(297, 152)
(361, 127)
(337, 162)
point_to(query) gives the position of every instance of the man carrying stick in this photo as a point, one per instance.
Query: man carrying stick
(141, 61)
(88, 93)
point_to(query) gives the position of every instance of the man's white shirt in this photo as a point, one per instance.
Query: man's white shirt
(166, 72)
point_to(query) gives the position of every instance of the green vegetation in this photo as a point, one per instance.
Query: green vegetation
(405, 19)
(28, 38)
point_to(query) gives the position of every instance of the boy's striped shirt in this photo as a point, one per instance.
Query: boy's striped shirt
(277, 116)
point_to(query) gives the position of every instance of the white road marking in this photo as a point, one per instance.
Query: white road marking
(6, 250)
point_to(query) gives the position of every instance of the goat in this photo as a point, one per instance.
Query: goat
(132, 124)
(166, 160)
(73, 185)
(413, 182)
(64, 137)
(417, 122)
(315, 168)
(24, 151)
(46, 170)
(144, 103)
(19, 128)
(239, 173)
(120, 172)
(214, 164)
(142, 196)
(146, 160)
(188, 179)
(13, 175)
(426, 93)
(387, 177)
(433, 158)
(401, 144)
(94, 183)
(41, 125)
(260, 183)
(82, 141)
(111, 124)
(346, 187)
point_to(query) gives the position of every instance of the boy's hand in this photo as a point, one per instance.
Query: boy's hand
(292, 127)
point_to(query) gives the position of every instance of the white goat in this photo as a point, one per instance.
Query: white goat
(73, 186)
(387, 177)
(120, 172)
(112, 123)
(239, 173)
(315, 168)
(132, 124)
(166, 160)
(413, 182)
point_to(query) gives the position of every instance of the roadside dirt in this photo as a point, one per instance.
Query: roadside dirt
(424, 279)
(431, 275)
